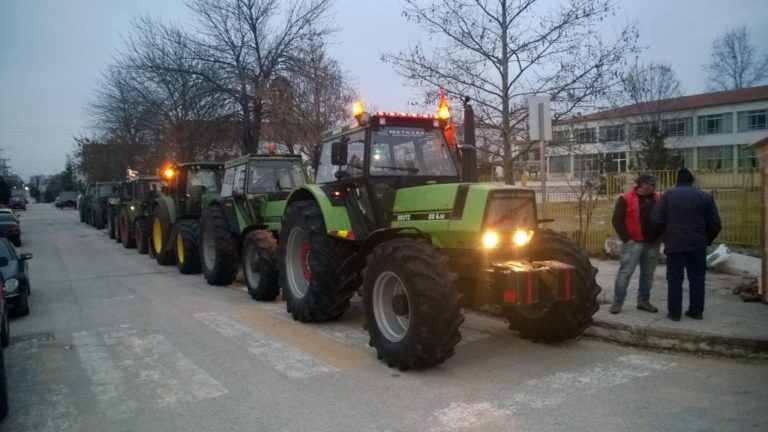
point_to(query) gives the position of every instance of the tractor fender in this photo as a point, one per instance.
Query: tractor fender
(336, 218)
(385, 234)
(167, 206)
(230, 213)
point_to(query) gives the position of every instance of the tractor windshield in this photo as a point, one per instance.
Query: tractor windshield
(205, 179)
(275, 176)
(410, 151)
(106, 190)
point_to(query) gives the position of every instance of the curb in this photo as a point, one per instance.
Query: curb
(691, 342)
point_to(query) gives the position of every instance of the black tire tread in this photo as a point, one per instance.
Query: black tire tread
(432, 291)
(227, 254)
(265, 243)
(563, 320)
(189, 231)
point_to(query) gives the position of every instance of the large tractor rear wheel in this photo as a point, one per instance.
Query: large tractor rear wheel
(412, 306)
(98, 219)
(219, 248)
(126, 234)
(161, 230)
(316, 286)
(559, 321)
(187, 247)
(260, 265)
(141, 234)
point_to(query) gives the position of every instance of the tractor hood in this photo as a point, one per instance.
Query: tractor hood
(455, 215)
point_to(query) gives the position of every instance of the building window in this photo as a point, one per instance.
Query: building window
(752, 120)
(639, 130)
(586, 166)
(560, 164)
(615, 162)
(682, 157)
(561, 136)
(677, 127)
(715, 158)
(715, 123)
(612, 133)
(585, 136)
(747, 159)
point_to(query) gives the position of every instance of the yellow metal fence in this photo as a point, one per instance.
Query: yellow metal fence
(586, 217)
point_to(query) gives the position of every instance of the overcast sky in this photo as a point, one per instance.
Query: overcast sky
(53, 52)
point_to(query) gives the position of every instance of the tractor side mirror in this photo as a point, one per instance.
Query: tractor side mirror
(26, 256)
(339, 153)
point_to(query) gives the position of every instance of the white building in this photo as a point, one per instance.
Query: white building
(708, 132)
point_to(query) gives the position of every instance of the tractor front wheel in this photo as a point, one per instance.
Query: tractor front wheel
(316, 286)
(161, 226)
(111, 230)
(141, 234)
(412, 306)
(219, 248)
(187, 247)
(260, 265)
(563, 320)
(126, 236)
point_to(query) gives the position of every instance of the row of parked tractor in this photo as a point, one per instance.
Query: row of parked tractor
(394, 214)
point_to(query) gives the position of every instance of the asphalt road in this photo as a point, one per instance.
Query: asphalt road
(115, 342)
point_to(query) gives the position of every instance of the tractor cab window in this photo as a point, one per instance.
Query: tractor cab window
(239, 180)
(204, 180)
(275, 176)
(105, 190)
(326, 172)
(410, 151)
(228, 182)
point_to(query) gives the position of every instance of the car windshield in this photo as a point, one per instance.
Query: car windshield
(274, 176)
(410, 151)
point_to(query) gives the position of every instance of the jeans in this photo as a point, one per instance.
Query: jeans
(695, 263)
(632, 253)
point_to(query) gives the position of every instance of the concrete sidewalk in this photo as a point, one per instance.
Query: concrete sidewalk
(730, 326)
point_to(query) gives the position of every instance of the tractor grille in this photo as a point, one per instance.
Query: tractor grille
(509, 210)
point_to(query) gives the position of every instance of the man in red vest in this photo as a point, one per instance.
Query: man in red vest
(632, 222)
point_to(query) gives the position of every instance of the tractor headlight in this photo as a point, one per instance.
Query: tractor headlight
(522, 237)
(490, 239)
(11, 285)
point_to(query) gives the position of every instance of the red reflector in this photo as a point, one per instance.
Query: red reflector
(509, 296)
(13, 228)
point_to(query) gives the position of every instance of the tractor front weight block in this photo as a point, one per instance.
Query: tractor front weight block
(524, 283)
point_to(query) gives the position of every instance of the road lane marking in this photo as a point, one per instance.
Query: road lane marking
(122, 364)
(546, 393)
(286, 359)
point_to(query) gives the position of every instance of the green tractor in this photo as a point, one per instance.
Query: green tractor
(94, 203)
(131, 215)
(175, 216)
(391, 218)
(242, 224)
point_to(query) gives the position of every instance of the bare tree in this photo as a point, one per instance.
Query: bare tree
(734, 63)
(247, 43)
(498, 52)
(650, 89)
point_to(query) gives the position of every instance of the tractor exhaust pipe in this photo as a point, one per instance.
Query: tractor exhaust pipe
(468, 149)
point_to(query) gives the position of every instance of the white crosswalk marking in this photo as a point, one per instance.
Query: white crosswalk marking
(121, 363)
(284, 358)
(547, 392)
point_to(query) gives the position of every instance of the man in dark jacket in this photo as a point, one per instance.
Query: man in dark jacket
(632, 222)
(689, 219)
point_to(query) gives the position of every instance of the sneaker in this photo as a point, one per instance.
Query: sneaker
(646, 306)
(615, 308)
(689, 314)
(673, 317)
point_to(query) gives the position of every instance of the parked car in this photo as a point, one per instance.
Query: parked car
(10, 228)
(17, 202)
(13, 267)
(66, 199)
(10, 212)
(4, 339)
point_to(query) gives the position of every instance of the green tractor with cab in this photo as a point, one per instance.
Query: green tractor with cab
(391, 218)
(241, 226)
(176, 215)
(130, 216)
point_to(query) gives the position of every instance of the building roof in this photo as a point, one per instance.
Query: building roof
(726, 97)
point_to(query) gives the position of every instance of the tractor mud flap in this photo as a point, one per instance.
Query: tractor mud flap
(525, 283)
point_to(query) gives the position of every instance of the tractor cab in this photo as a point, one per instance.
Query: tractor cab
(363, 167)
(193, 185)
